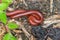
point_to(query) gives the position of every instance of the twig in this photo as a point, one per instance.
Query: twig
(24, 2)
(2, 29)
(17, 31)
(24, 30)
(32, 38)
(51, 6)
(53, 17)
(50, 23)
(20, 38)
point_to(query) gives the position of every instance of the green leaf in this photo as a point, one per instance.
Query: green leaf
(3, 6)
(12, 25)
(9, 36)
(3, 17)
(7, 1)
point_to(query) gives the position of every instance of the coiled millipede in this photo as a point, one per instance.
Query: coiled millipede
(34, 17)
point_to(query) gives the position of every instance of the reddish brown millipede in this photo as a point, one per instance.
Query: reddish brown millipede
(34, 17)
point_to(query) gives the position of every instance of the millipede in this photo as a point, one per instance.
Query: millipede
(34, 17)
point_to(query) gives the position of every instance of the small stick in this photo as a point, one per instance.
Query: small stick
(20, 38)
(17, 31)
(51, 6)
(24, 2)
(50, 23)
(24, 30)
(32, 38)
(53, 17)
